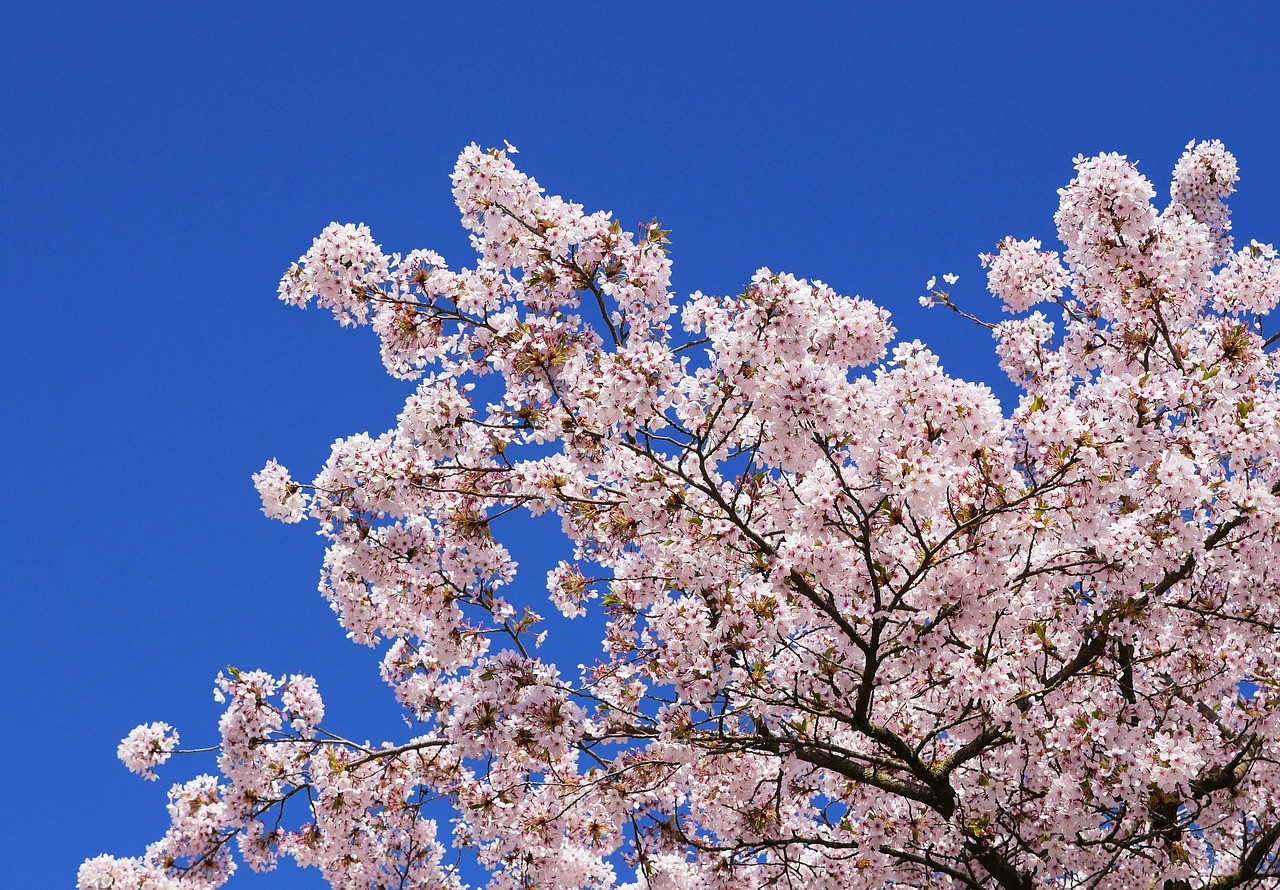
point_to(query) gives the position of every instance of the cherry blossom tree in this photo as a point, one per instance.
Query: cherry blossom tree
(862, 628)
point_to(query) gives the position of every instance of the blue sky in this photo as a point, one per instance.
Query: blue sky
(160, 168)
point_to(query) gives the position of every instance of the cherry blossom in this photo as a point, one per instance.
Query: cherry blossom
(147, 746)
(282, 498)
(862, 625)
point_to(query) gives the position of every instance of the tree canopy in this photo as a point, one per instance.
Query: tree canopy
(861, 628)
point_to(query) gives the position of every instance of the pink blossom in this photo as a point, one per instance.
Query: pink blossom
(147, 746)
(282, 498)
(1021, 274)
(301, 698)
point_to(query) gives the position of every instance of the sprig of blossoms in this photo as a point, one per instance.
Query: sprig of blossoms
(1022, 275)
(147, 746)
(1250, 281)
(342, 271)
(933, 295)
(301, 698)
(282, 498)
(1204, 177)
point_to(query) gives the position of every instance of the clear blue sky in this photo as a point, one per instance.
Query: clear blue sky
(159, 168)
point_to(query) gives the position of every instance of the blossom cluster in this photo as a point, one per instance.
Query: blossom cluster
(282, 498)
(147, 746)
(1022, 274)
